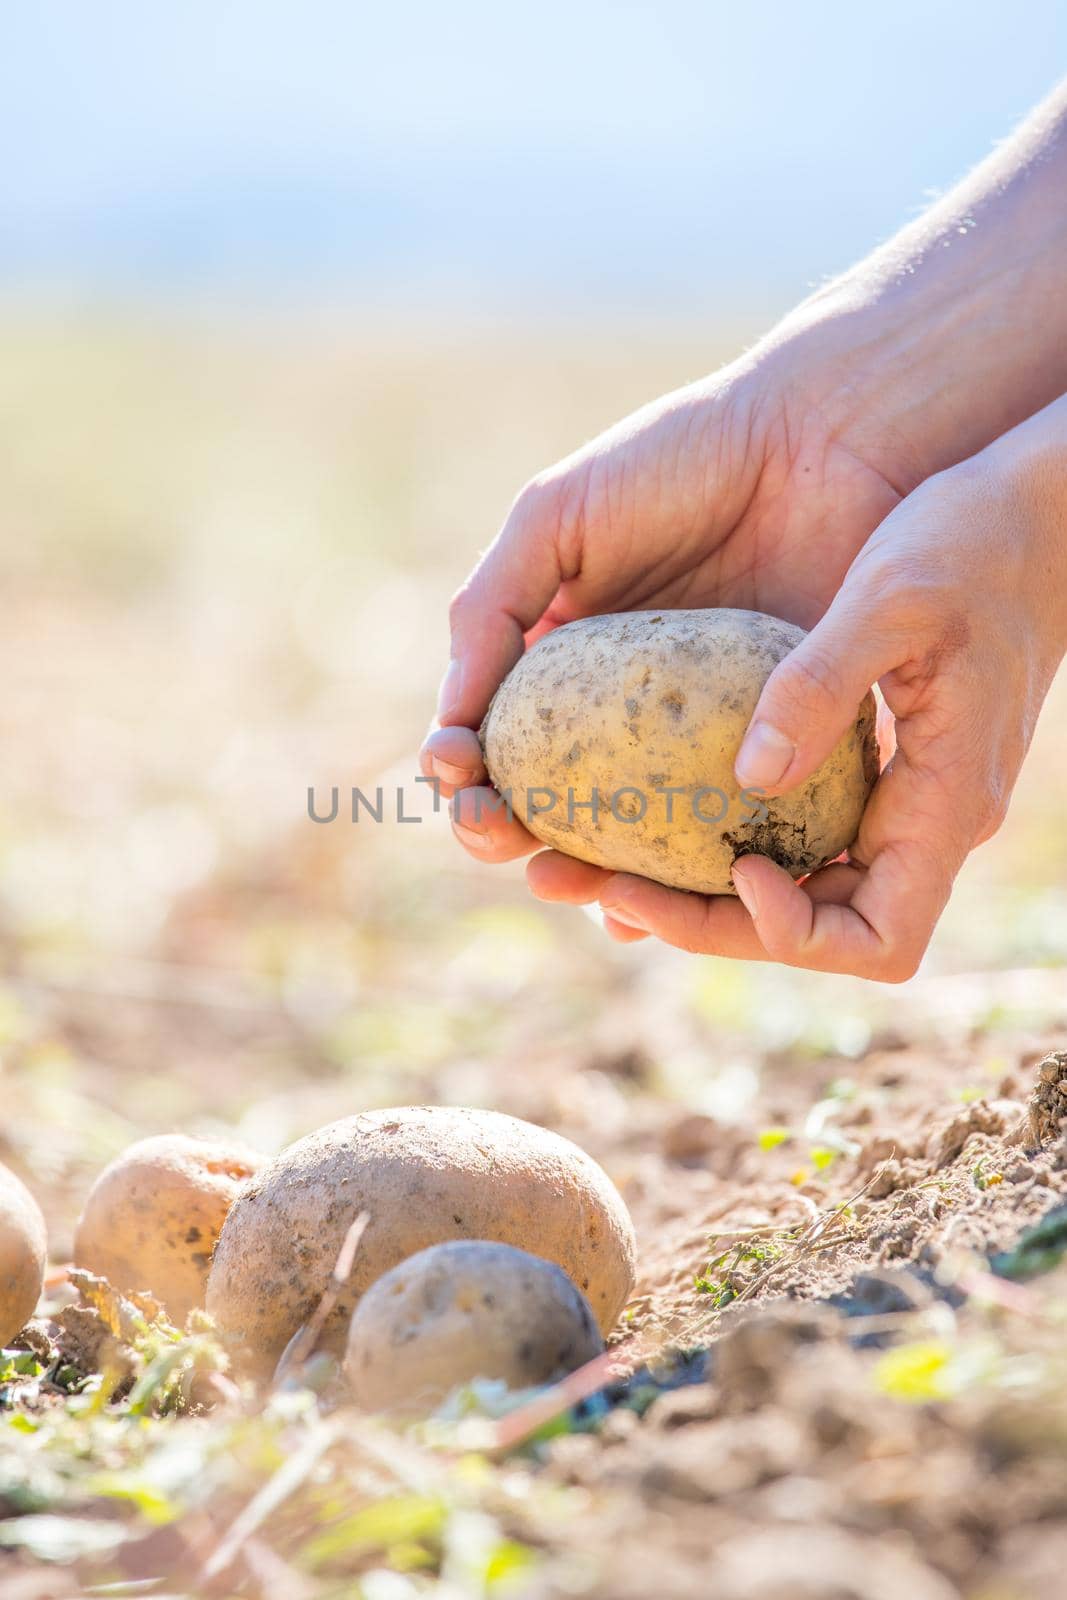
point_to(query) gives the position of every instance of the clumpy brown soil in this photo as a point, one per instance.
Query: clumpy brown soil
(846, 1377)
(870, 1412)
(801, 1463)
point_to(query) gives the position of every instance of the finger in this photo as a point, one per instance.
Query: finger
(485, 826)
(801, 925)
(810, 700)
(509, 591)
(454, 757)
(874, 918)
(621, 933)
(715, 925)
(880, 932)
(554, 876)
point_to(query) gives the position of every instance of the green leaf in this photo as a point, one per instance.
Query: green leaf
(18, 1364)
(404, 1519)
(918, 1372)
(771, 1138)
(155, 1378)
(507, 1561)
(154, 1505)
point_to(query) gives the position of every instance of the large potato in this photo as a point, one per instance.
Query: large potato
(152, 1217)
(460, 1311)
(629, 706)
(425, 1174)
(23, 1251)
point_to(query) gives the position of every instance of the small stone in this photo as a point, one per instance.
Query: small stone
(755, 1353)
(885, 1181)
(691, 1137)
(875, 1151)
(618, 1425)
(697, 1402)
(984, 1116)
(573, 1454)
(889, 1291)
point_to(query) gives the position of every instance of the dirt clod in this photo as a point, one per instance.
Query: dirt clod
(1048, 1103)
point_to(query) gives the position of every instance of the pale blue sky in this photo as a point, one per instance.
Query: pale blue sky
(659, 154)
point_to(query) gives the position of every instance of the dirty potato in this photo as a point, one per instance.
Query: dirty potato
(152, 1217)
(424, 1175)
(23, 1251)
(616, 736)
(460, 1311)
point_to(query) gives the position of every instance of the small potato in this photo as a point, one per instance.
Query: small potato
(616, 738)
(465, 1310)
(424, 1175)
(23, 1251)
(152, 1217)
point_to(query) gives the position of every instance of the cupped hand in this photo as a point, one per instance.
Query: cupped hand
(956, 608)
(748, 489)
(720, 496)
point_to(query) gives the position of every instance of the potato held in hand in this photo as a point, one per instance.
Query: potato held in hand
(425, 1175)
(23, 1251)
(153, 1216)
(455, 1312)
(634, 706)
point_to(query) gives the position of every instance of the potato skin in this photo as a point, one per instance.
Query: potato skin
(648, 700)
(23, 1253)
(425, 1174)
(468, 1309)
(152, 1217)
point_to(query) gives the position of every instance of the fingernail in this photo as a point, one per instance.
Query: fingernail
(623, 914)
(468, 837)
(764, 755)
(450, 691)
(457, 776)
(746, 893)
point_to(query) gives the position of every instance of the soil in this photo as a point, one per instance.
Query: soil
(765, 1446)
(784, 1471)
(840, 1378)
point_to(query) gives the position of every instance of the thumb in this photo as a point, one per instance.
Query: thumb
(811, 698)
(505, 596)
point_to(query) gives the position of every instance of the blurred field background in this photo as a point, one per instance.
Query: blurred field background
(290, 307)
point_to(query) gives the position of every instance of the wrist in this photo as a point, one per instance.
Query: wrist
(1027, 468)
(883, 366)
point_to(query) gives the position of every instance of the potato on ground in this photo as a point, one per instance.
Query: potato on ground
(460, 1311)
(23, 1253)
(641, 715)
(424, 1174)
(152, 1217)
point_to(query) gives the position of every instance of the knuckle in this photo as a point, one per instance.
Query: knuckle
(459, 606)
(898, 961)
(693, 934)
(992, 820)
(533, 503)
(811, 683)
(901, 968)
(918, 598)
(554, 509)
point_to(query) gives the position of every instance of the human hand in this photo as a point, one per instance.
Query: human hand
(745, 490)
(957, 607)
(758, 488)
